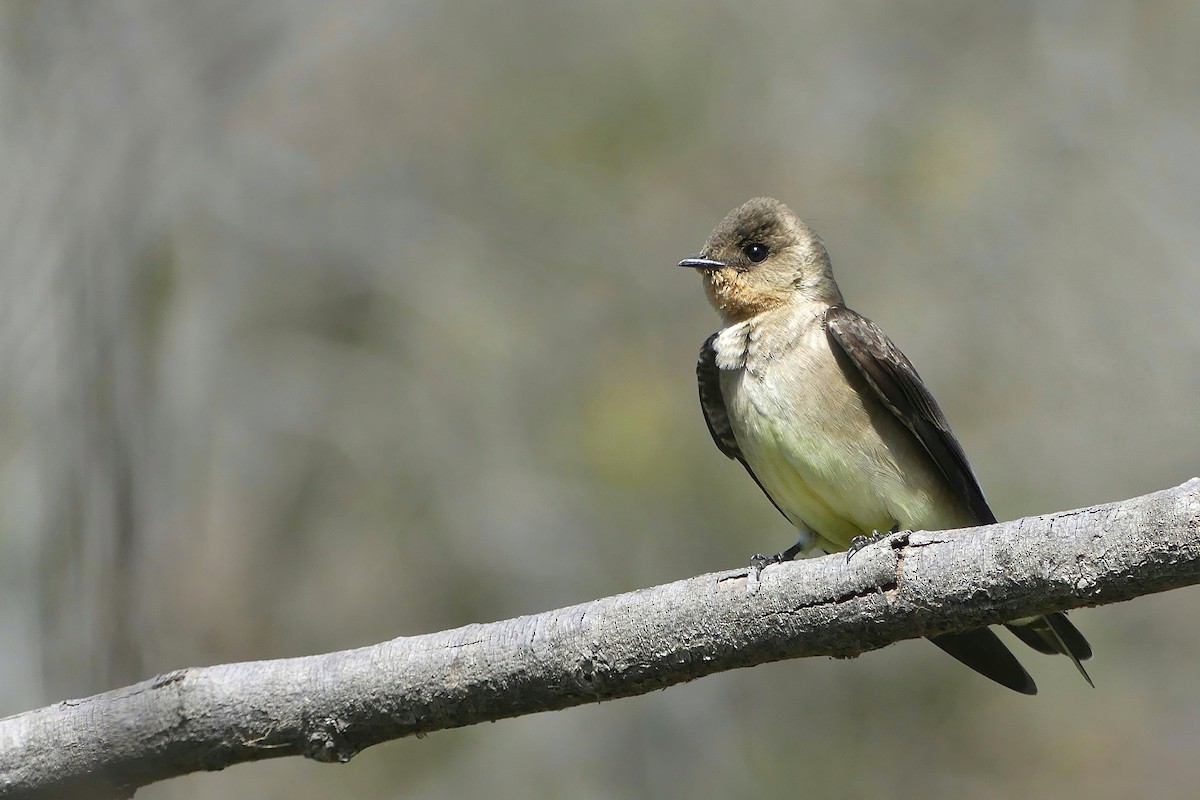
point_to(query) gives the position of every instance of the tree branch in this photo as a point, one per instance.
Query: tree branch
(329, 707)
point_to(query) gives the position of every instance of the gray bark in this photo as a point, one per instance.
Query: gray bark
(329, 707)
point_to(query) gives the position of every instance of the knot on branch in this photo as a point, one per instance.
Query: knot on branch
(325, 741)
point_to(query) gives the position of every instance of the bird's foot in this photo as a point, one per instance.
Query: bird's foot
(859, 542)
(759, 562)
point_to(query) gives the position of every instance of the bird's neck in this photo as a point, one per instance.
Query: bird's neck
(736, 301)
(737, 304)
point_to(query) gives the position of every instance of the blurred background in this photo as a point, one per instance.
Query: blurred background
(324, 323)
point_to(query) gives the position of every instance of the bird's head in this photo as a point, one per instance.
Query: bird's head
(760, 257)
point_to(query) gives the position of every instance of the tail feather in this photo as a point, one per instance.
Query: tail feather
(1054, 634)
(1070, 636)
(1041, 640)
(982, 651)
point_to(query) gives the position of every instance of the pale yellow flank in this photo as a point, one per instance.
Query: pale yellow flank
(833, 458)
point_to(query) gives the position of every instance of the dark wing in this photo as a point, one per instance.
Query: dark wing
(712, 403)
(901, 389)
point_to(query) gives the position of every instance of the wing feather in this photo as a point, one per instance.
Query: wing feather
(896, 382)
(901, 389)
(712, 403)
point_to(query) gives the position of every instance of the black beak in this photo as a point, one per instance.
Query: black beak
(701, 263)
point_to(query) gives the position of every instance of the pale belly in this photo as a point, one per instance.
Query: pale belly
(836, 467)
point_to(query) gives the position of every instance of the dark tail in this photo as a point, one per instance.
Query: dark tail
(982, 651)
(1054, 634)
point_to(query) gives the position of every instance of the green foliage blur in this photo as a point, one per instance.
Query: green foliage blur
(325, 323)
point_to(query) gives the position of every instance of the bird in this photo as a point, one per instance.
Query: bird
(832, 421)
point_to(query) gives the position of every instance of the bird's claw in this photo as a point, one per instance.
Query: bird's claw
(759, 562)
(859, 542)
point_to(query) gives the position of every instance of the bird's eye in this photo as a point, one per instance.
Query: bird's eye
(755, 252)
